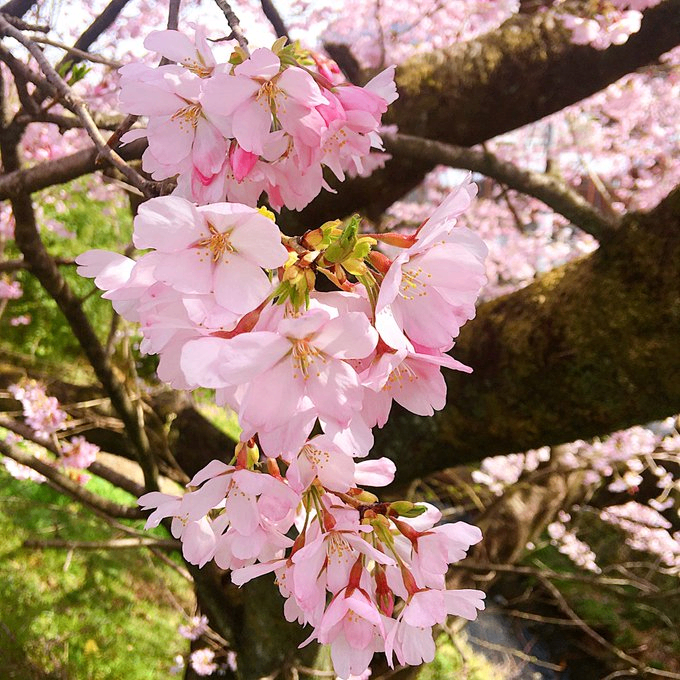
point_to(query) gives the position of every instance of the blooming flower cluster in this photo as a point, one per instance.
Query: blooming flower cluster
(44, 415)
(10, 290)
(266, 122)
(230, 303)
(646, 530)
(41, 413)
(613, 24)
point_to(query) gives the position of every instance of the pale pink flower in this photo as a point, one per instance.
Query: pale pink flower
(78, 453)
(430, 289)
(305, 357)
(412, 379)
(195, 628)
(221, 248)
(202, 661)
(196, 56)
(181, 137)
(244, 104)
(321, 459)
(10, 290)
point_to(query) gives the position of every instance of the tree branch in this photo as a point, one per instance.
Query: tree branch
(547, 188)
(44, 268)
(112, 544)
(234, 24)
(69, 487)
(81, 55)
(77, 105)
(28, 180)
(468, 93)
(107, 16)
(272, 14)
(572, 356)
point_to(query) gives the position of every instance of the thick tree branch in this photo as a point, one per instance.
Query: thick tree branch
(17, 8)
(61, 170)
(69, 487)
(77, 105)
(100, 24)
(547, 188)
(471, 92)
(587, 349)
(272, 14)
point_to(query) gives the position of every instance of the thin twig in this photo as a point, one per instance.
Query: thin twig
(547, 573)
(514, 652)
(20, 263)
(111, 544)
(68, 486)
(234, 24)
(564, 606)
(25, 25)
(81, 54)
(547, 188)
(78, 106)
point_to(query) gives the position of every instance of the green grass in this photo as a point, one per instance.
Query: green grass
(91, 615)
(458, 662)
(95, 224)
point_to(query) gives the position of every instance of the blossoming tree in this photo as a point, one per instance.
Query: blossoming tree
(278, 259)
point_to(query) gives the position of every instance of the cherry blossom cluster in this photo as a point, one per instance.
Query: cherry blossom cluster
(618, 462)
(568, 543)
(266, 122)
(44, 415)
(203, 661)
(230, 303)
(646, 530)
(41, 412)
(613, 23)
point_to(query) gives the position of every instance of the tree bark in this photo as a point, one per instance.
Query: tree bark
(470, 92)
(587, 349)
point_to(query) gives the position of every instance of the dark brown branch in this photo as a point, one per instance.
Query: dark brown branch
(77, 105)
(547, 188)
(66, 122)
(470, 92)
(112, 544)
(234, 24)
(45, 270)
(24, 25)
(17, 8)
(574, 355)
(272, 14)
(59, 171)
(101, 23)
(173, 14)
(68, 486)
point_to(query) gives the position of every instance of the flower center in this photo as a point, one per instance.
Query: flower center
(187, 116)
(315, 456)
(304, 357)
(217, 243)
(412, 284)
(398, 375)
(198, 68)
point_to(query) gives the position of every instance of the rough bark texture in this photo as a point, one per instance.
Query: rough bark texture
(473, 91)
(587, 349)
